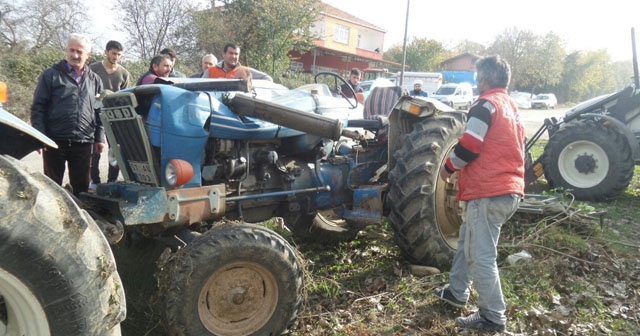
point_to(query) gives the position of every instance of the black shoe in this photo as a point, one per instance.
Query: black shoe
(444, 294)
(477, 322)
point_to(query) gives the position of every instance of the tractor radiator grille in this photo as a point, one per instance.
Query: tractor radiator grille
(128, 138)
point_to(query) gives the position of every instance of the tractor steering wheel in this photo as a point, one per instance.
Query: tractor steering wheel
(336, 86)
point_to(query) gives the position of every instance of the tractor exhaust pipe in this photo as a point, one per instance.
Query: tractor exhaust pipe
(286, 116)
(636, 78)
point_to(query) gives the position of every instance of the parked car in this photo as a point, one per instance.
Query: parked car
(544, 101)
(456, 95)
(522, 99)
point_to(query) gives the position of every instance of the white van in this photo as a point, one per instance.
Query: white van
(456, 95)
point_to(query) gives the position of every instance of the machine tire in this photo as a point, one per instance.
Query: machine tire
(592, 160)
(321, 227)
(57, 272)
(424, 211)
(237, 279)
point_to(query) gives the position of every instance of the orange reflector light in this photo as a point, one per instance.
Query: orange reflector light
(414, 109)
(4, 95)
(178, 172)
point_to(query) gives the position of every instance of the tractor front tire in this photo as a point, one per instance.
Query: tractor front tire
(237, 279)
(591, 160)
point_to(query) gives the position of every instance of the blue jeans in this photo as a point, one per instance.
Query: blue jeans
(475, 259)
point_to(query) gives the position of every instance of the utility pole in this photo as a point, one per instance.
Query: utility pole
(404, 46)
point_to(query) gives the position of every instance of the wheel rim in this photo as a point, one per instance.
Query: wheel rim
(20, 311)
(238, 299)
(448, 207)
(583, 164)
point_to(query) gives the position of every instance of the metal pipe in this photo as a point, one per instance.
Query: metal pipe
(404, 47)
(278, 193)
(307, 122)
(636, 79)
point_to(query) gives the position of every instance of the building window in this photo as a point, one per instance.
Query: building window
(341, 34)
(296, 66)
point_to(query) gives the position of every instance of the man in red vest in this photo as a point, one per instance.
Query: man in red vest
(489, 159)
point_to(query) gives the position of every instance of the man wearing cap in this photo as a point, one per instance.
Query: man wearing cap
(417, 90)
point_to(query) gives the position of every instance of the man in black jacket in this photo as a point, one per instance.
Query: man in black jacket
(66, 109)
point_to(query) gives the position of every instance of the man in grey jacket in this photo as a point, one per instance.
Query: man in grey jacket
(66, 109)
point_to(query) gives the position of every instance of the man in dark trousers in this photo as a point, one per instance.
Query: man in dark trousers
(66, 109)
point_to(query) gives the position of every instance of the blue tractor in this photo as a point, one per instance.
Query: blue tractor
(204, 158)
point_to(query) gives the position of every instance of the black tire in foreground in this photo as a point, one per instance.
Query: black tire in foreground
(237, 279)
(57, 272)
(424, 212)
(591, 160)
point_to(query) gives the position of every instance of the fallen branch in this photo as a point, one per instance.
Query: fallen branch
(568, 255)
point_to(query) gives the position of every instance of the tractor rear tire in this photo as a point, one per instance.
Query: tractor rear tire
(424, 211)
(237, 279)
(57, 272)
(591, 160)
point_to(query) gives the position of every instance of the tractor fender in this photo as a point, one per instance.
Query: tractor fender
(18, 137)
(622, 129)
(406, 113)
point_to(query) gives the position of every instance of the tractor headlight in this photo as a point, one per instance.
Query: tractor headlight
(416, 106)
(178, 172)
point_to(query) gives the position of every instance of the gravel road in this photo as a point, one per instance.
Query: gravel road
(533, 119)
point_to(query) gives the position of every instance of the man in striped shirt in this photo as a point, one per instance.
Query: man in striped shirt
(489, 159)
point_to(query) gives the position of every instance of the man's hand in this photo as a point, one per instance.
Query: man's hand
(98, 146)
(103, 94)
(444, 174)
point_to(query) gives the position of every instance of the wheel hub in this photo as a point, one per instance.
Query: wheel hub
(237, 296)
(238, 300)
(585, 164)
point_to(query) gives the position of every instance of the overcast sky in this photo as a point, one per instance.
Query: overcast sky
(582, 25)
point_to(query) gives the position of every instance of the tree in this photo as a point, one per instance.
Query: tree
(155, 24)
(515, 46)
(422, 54)
(467, 46)
(28, 24)
(587, 75)
(267, 30)
(544, 68)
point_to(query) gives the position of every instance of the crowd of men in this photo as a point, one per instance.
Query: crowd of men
(66, 106)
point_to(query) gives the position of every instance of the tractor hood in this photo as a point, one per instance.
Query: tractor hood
(17, 138)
